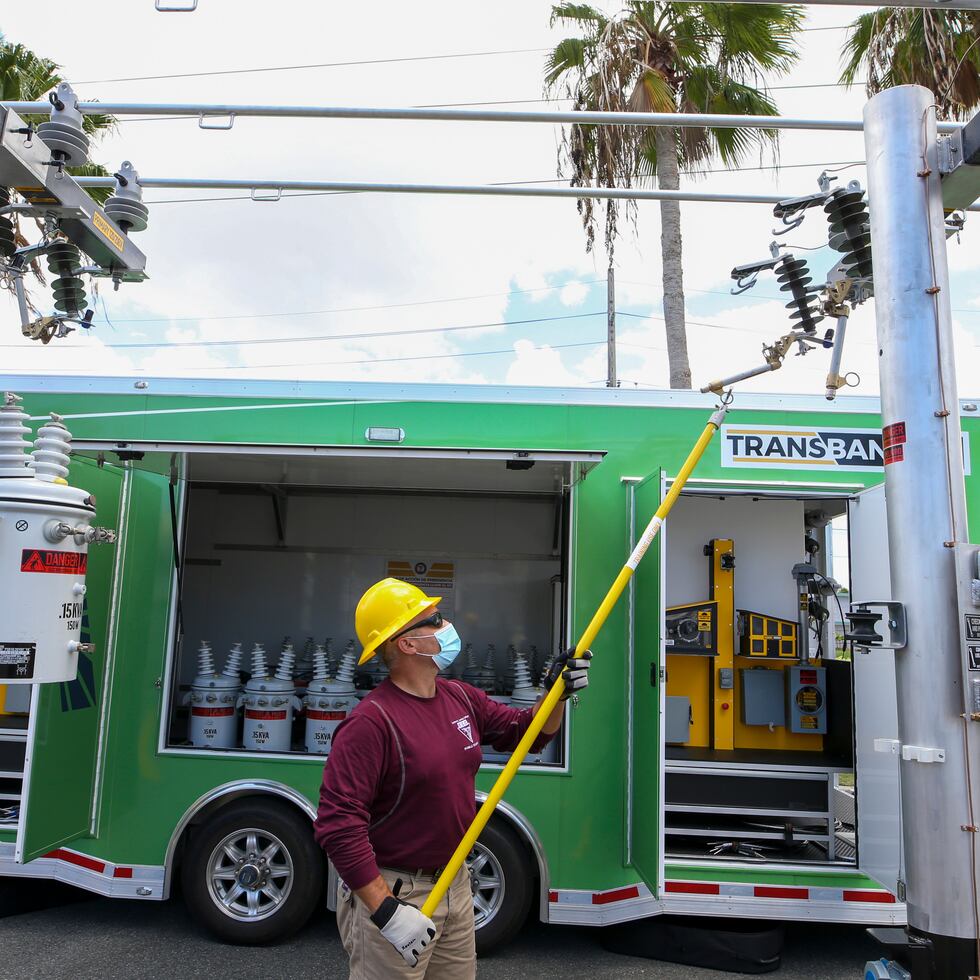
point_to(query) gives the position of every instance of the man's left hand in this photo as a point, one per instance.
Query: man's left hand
(573, 669)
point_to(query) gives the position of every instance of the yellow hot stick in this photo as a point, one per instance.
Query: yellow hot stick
(551, 699)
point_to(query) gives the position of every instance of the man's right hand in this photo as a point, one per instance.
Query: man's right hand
(405, 927)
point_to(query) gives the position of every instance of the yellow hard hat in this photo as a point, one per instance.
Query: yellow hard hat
(384, 609)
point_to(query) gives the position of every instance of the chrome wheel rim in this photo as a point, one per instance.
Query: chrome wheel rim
(250, 874)
(487, 882)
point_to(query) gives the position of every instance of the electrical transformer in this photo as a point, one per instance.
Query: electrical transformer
(328, 702)
(213, 699)
(45, 530)
(269, 703)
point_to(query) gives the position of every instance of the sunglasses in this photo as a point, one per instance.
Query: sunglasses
(435, 620)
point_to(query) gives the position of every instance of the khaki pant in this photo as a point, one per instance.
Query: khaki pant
(450, 956)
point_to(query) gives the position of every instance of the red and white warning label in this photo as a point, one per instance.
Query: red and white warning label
(53, 562)
(893, 438)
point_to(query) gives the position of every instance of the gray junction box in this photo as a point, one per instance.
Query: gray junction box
(763, 696)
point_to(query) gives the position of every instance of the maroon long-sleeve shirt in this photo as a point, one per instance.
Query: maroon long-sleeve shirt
(398, 786)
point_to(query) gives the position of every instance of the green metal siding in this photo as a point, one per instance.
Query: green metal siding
(579, 815)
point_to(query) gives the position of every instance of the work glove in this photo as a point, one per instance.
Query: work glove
(405, 927)
(573, 669)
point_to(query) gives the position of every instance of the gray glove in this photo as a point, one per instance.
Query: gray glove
(573, 670)
(405, 927)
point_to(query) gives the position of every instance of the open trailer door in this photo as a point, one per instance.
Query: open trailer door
(645, 695)
(65, 722)
(875, 700)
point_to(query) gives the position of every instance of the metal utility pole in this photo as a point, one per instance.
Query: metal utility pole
(611, 381)
(927, 531)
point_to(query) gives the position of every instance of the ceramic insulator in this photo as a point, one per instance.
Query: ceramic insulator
(348, 663)
(13, 446)
(259, 666)
(205, 659)
(49, 457)
(284, 672)
(233, 665)
(522, 673)
(321, 670)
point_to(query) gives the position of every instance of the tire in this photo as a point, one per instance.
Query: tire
(501, 865)
(268, 899)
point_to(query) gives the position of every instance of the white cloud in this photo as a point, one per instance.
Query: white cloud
(539, 366)
(573, 294)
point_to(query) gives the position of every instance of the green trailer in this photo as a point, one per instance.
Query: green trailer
(723, 762)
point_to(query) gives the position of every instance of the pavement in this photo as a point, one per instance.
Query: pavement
(109, 939)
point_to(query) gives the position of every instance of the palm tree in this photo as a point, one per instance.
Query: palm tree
(666, 57)
(939, 49)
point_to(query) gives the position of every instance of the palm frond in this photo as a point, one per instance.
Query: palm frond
(933, 48)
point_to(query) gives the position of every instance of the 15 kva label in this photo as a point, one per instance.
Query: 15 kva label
(17, 660)
(53, 562)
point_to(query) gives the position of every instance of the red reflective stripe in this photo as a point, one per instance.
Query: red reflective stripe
(70, 857)
(768, 891)
(212, 712)
(318, 715)
(122, 873)
(692, 887)
(552, 896)
(617, 895)
(855, 895)
(265, 715)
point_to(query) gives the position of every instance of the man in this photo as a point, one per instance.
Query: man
(398, 789)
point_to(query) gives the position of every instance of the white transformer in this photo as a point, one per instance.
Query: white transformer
(328, 702)
(45, 530)
(213, 699)
(269, 703)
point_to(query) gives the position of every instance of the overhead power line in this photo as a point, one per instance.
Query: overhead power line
(324, 64)
(352, 64)
(361, 335)
(359, 309)
(392, 360)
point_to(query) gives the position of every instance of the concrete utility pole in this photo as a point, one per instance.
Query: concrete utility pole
(927, 530)
(611, 381)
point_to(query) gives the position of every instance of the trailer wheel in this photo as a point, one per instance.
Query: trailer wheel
(253, 873)
(503, 885)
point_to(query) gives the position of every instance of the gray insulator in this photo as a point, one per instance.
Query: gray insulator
(8, 244)
(64, 261)
(850, 230)
(129, 215)
(794, 278)
(126, 206)
(67, 144)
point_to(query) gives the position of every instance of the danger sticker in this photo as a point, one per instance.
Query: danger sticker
(315, 714)
(894, 454)
(894, 434)
(17, 661)
(53, 562)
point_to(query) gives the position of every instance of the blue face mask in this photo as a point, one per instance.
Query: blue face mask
(449, 646)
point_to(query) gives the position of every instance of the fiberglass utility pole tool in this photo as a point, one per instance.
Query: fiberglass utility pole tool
(848, 283)
(585, 641)
(34, 162)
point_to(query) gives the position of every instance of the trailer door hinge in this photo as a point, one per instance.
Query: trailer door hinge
(922, 753)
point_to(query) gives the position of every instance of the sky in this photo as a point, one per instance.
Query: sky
(249, 289)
